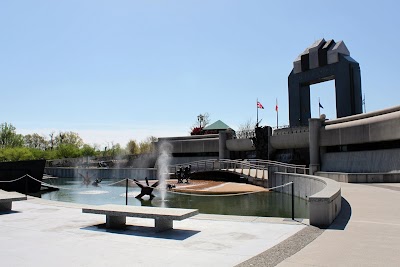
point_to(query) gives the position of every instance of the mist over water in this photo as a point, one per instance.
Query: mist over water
(163, 162)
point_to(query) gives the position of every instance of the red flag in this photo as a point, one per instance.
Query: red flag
(276, 106)
(259, 105)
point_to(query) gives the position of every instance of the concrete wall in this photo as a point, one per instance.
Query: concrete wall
(94, 173)
(294, 137)
(240, 145)
(195, 146)
(192, 144)
(323, 195)
(382, 127)
(385, 160)
(362, 177)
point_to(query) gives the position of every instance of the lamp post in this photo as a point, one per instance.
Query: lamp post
(200, 119)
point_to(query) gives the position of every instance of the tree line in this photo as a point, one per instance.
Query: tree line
(14, 146)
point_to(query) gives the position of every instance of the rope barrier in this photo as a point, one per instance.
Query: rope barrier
(119, 181)
(213, 195)
(271, 188)
(47, 184)
(11, 181)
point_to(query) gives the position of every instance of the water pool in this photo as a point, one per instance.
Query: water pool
(264, 204)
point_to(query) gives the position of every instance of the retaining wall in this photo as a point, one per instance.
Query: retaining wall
(393, 177)
(323, 195)
(121, 173)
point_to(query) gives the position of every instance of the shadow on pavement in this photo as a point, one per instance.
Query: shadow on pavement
(144, 231)
(343, 218)
(9, 211)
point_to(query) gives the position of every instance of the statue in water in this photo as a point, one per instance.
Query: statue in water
(87, 181)
(86, 178)
(146, 189)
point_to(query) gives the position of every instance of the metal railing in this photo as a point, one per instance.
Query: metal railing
(283, 167)
(253, 167)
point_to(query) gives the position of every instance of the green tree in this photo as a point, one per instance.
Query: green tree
(9, 137)
(50, 154)
(132, 147)
(68, 151)
(88, 151)
(38, 153)
(68, 138)
(36, 141)
(15, 154)
(147, 146)
(116, 150)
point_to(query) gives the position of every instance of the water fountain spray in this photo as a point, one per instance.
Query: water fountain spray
(163, 162)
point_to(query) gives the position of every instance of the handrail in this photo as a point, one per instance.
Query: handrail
(239, 166)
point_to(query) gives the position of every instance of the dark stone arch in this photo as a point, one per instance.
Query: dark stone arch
(324, 61)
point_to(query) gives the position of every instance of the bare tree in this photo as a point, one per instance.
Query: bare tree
(52, 141)
(246, 130)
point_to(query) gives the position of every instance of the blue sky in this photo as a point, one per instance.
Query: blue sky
(119, 70)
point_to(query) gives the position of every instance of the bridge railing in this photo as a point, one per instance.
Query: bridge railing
(255, 167)
(282, 167)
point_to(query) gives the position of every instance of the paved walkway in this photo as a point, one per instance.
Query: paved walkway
(45, 233)
(367, 233)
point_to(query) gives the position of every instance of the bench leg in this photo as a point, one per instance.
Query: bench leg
(5, 206)
(115, 221)
(163, 224)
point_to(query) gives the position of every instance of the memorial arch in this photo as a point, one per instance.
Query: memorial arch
(324, 61)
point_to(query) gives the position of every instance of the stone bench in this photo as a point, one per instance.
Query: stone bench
(6, 199)
(116, 215)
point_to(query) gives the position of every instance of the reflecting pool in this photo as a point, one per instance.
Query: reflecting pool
(264, 204)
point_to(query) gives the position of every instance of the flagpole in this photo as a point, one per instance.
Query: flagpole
(276, 107)
(257, 113)
(319, 108)
(365, 109)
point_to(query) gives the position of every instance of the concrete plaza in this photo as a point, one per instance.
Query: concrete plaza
(44, 233)
(366, 233)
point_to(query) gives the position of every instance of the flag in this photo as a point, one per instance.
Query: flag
(276, 106)
(320, 105)
(259, 105)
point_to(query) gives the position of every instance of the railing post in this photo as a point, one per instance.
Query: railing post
(126, 192)
(292, 200)
(26, 185)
